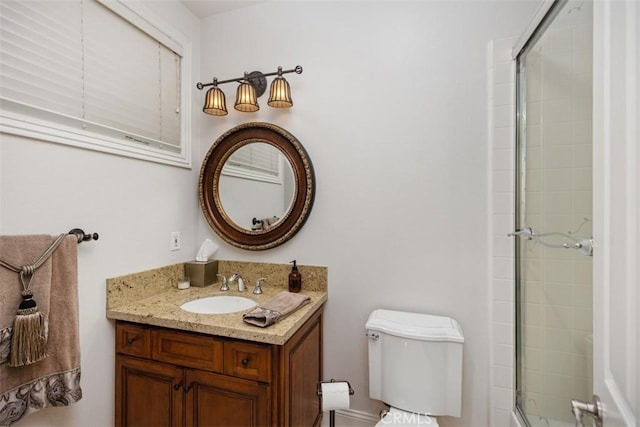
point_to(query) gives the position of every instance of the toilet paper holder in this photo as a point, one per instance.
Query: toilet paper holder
(332, 413)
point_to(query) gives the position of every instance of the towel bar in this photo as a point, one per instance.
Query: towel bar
(82, 237)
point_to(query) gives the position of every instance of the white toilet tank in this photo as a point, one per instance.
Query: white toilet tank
(415, 362)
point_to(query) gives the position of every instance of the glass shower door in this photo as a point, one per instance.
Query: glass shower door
(554, 217)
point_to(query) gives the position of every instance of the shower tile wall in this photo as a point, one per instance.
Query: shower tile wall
(557, 283)
(502, 104)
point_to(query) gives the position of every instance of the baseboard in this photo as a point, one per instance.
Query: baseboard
(351, 418)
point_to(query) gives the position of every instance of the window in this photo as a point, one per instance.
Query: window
(95, 74)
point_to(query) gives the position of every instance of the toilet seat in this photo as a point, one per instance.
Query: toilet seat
(398, 417)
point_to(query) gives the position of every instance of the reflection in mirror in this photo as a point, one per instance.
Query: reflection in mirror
(256, 186)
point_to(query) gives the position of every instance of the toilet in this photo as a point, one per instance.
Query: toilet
(415, 366)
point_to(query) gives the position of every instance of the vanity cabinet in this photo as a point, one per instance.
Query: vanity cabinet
(167, 377)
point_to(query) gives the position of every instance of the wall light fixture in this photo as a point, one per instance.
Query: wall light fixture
(251, 87)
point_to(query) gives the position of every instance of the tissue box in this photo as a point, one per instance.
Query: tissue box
(201, 273)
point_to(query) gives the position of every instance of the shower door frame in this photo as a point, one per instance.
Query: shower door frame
(616, 115)
(544, 18)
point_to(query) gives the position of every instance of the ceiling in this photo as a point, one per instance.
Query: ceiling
(204, 8)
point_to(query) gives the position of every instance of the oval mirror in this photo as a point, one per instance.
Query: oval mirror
(257, 186)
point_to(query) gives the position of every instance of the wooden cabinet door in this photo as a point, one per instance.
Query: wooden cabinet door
(304, 373)
(148, 393)
(214, 400)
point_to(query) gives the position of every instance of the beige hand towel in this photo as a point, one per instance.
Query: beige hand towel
(55, 380)
(275, 309)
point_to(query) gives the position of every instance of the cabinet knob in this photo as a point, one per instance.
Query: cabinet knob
(131, 340)
(189, 387)
(177, 386)
(245, 362)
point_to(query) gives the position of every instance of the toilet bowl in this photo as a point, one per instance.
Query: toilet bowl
(397, 417)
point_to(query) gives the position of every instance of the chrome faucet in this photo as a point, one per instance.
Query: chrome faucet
(224, 286)
(258, 290)
(235, 277)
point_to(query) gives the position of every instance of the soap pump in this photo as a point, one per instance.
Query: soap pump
(295, 279)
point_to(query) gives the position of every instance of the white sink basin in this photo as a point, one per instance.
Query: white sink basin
(218, 305)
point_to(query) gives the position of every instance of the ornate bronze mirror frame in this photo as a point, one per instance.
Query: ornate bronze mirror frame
(303, 186)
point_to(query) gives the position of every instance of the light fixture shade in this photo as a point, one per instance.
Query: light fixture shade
(280, 93)
(215, 102)
(246, 100)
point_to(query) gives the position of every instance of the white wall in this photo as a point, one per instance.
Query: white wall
(392, 109)
(132, 204)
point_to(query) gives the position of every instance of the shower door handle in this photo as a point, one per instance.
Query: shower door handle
(594, 408)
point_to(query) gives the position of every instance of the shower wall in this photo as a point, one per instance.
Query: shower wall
(555, 310)
(502, 106)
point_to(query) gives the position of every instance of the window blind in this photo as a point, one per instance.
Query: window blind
(78, 64)
(41, 55)
(258, 161)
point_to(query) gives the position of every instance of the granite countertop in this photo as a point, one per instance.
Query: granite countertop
(162, 308)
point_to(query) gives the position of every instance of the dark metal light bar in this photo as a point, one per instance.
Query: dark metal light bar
(252, 76)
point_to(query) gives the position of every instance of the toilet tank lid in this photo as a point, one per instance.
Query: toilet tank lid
(417, 326)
